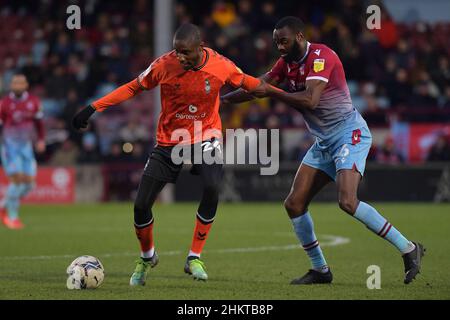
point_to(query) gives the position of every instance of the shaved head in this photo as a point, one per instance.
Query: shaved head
(188, 32)
(188, 46)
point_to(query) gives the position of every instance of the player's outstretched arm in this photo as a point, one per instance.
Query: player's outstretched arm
(240, 95)
(307, 99)
(40, 128)
(123, 93)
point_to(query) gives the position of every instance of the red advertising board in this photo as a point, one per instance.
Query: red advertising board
(422, 138)
(53, 185)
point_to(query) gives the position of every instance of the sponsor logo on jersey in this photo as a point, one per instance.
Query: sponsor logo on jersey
(184, 116)
(192, 108)
(317, 51)
(319, 65)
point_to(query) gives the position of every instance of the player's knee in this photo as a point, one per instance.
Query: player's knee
(142, 213)
(348, 204)
(294, 207)
(15, 178)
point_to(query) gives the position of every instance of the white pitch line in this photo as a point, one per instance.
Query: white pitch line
(326, 241)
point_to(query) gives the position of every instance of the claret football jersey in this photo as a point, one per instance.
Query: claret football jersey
(335, 106)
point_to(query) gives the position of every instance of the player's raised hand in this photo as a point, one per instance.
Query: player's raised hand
(80, 120)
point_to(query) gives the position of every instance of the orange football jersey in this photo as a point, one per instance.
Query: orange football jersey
(189, 96)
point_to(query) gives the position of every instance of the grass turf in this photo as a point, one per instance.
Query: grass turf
(251, 253)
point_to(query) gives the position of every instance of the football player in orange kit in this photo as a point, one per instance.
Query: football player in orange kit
(190, 77)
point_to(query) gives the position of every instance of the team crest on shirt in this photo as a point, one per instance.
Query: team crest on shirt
(319, 65)
(207, 86)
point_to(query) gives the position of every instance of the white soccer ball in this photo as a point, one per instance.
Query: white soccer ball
(85, 272)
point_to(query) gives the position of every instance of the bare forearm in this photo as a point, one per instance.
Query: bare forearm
(240, 95)
(237, 96)
(40, 129)
(297, 100)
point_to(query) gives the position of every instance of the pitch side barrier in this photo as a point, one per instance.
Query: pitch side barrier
(428, 182)
(119, 182)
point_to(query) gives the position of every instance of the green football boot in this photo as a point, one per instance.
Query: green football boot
(196, 268)
(140, 272)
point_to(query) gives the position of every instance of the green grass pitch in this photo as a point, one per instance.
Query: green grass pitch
(251, 253)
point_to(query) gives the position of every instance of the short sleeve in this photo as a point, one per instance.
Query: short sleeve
(322, 65)
(277, 72)
(151, 77)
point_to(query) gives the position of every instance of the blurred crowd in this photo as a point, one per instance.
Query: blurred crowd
(401, 72)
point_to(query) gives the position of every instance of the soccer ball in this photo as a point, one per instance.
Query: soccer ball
(85, 272)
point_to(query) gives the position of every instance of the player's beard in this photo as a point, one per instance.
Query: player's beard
(18, 94)
(294, 54)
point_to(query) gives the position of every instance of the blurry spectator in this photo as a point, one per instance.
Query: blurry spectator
(89, 152)
(267, 18)
(181, 14)
(440, 151)
(388, 34)
(108, 85)
(57, 83)
(40, 47)
(72, 106)
(223, 13)
(388, 154)
(441, 75)
(400, 90)
(134, 130)
(32, 70)
(299, 152)
(7, 74)
(116, 154)
(254, 117)
(138, 155)
(248, 13)
(283, 114)
(66, 155)
(63, 47)
(370, 56)
(422, 96)
(373, 114)
(446, 98)
(347, 49)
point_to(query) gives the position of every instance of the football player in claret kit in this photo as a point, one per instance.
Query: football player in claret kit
(20, 115)
(318, 89)
(190, 77)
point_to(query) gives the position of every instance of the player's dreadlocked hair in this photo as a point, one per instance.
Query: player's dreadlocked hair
(189, 32)
(293, 23)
